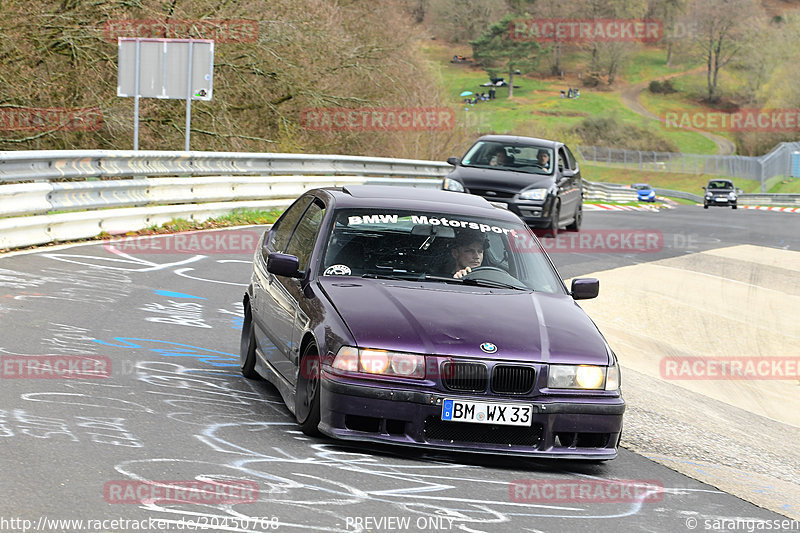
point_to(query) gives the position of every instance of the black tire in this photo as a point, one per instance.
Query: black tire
(576, 224)
(307, 405)
(705, 206)
(247, 347)
(552, 230)
(734, 206)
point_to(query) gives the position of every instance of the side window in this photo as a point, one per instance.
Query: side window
(285, 225)
(562, 159)
(573, 163)
(305, 235)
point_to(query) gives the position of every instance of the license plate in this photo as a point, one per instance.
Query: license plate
(505, 414)
(721, 199)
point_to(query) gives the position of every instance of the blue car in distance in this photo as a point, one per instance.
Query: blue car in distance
(644, 192)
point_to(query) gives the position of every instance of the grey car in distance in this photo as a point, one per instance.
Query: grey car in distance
(537, 179)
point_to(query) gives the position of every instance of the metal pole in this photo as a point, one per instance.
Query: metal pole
(189, 97)
(136, 97)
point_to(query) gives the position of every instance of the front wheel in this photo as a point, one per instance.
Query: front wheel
(576, 224)
(307, 409)
(734, 206)
(705, 206)
(556, 216)
(247, 347)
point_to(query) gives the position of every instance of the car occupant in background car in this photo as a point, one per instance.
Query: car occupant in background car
(467, 253)
(500, 158)
(543, 157)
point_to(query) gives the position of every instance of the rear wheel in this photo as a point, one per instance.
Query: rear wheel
(576, 224)
(307, 410)
(247, 347)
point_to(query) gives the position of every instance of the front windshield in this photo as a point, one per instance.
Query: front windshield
(429, 246)
(720, 185)
(528, 158)
(641, 186)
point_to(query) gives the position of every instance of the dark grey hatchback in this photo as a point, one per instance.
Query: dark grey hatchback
(428, 318)
(537, 179)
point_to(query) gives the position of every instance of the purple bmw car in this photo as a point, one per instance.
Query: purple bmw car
(428, 318)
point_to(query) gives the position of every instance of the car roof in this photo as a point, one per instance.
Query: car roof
(515, 139)
(412, 198)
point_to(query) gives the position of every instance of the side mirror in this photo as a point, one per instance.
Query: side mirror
(567, 173)
(283, 265)
(585, 288)
(453, 161)
(704, 188)
(738, 191)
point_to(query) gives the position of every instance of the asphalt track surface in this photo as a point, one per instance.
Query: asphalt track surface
(174, 407)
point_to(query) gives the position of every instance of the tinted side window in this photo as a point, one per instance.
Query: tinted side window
(562, 159)
(285, 225)
(573, 163)
(305, 235)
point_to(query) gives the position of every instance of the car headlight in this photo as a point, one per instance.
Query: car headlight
(586, 377)
(732, 196)
(380, 362)
(533, 194)
(450, 184)
(709, 195)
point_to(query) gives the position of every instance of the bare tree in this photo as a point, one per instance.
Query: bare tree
(723, 28)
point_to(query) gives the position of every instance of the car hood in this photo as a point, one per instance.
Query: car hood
(437, 318)
(501, 180)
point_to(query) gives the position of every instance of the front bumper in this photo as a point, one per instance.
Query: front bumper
(719, 200)
(534, 214)
(562, 427)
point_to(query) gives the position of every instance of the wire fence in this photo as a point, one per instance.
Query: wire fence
(778, 162)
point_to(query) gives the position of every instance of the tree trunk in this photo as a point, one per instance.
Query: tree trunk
(669, 53)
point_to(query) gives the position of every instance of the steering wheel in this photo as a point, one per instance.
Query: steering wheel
(486, 269)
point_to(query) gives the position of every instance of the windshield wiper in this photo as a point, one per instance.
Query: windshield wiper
(386, 276)
(475, 282)
(492, 283)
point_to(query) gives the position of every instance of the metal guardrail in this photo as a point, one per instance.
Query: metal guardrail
(50, 165)
(47, 196)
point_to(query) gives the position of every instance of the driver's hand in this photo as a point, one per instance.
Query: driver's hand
(463, 272)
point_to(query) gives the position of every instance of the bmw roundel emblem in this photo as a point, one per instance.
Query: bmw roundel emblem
(488, 347)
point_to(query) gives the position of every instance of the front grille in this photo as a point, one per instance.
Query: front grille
(512, 379)
(437, 429)
(487, 193)
(460, 376)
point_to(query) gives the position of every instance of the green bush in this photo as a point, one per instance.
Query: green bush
(610, 132)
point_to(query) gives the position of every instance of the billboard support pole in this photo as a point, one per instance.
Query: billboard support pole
(136, 98)
(189, 96)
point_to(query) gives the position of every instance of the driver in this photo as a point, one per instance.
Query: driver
(543, 158)
(468, 253)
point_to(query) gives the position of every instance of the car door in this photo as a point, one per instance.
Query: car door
(272, 305)
(301, 244)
